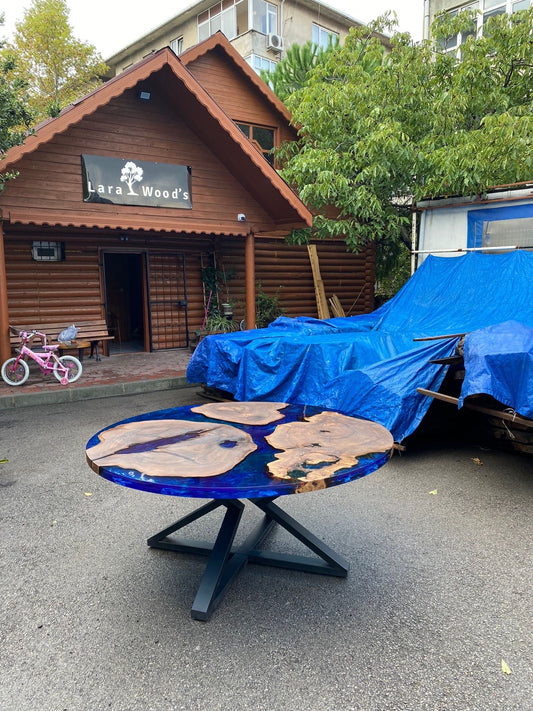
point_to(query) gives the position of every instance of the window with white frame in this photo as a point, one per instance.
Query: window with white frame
(491, 8)
(486, 9)
(321, 36)
(264, 17)
(176, 45)
(257, 63)
(220, 16)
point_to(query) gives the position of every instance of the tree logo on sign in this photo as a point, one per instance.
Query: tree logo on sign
(131, 174)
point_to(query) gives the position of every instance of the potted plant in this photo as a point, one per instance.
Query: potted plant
(267, 308)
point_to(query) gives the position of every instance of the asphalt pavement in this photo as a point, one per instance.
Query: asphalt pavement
(435, 614)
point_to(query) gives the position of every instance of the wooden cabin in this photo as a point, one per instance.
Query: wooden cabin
(123, 198)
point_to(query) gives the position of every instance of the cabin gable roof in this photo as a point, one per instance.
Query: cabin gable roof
(219, 44)
(204, 116)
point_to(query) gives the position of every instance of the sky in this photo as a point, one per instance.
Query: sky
(110, 25)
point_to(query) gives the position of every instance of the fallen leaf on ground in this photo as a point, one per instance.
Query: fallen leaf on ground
(88, 493)
(505, 667)
(434, 492)
(477, 461)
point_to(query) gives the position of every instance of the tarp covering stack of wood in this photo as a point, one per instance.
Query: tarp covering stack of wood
(370, 366)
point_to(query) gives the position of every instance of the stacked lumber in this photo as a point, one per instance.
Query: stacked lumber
(336, 306)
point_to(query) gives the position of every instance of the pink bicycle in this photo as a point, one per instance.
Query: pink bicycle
(15, 371)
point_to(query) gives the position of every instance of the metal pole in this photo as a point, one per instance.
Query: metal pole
(414, 241)
(469, 249)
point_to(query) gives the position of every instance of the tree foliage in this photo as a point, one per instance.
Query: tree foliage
(293, 71)
(57, 67)
(15, 115)
(425, 123)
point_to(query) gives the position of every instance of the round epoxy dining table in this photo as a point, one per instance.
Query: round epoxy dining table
(235, 453)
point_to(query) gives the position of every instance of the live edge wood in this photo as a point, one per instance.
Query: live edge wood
(246, 413)
(172, 448)
(324, 444)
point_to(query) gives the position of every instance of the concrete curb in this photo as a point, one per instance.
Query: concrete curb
(91, 392)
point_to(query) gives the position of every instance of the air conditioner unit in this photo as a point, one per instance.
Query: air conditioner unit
(275, 42)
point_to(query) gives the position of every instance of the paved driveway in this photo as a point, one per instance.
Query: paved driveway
(91, 619)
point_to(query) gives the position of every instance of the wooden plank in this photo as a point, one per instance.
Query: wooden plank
(336, 306)
(438, 338)
(451, 360)
(321, 301)
(517, 419)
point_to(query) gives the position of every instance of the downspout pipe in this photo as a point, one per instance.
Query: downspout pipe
(425, 33)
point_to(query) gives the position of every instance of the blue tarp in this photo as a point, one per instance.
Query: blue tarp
(369, 365)
(500, 363)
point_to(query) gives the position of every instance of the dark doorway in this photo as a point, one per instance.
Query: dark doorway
(124, 300)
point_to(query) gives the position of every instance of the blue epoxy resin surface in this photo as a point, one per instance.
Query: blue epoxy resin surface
(185, 452)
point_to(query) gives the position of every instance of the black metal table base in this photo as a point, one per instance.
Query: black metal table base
(225, 561)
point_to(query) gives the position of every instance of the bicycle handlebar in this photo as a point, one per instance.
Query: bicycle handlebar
(25, 336)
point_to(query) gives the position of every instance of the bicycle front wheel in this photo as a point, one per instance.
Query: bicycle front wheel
(73, 366)
(14, 373)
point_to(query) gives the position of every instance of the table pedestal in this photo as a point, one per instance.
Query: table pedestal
(225, 561)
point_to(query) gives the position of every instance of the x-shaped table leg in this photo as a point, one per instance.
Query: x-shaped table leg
(225, 561)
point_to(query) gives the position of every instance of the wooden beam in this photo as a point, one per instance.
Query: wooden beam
(320, 294)
(517, 419)
(5, 347)
(438, 338)
(336, 306)
(249, 268)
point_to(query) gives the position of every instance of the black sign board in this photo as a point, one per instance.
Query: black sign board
(121, 181)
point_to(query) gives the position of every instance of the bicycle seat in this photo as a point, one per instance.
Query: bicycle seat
(50, 348)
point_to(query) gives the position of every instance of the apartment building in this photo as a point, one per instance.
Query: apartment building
(260, 30)
(485, 9)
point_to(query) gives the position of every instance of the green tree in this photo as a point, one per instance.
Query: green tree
(15, 115)
(57, 67)
(422, 124)
(292, 72)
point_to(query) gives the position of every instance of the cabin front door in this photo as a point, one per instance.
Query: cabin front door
(125, 297)
(167, 300)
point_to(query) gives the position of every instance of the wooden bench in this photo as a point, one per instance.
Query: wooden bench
(90, 334)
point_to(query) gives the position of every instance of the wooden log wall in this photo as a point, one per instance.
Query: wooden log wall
(73, 290)
(52, 291)
(285, 270)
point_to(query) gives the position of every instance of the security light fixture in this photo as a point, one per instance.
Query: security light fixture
(145, 95)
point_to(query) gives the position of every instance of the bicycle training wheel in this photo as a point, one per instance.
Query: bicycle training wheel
(73, 366)
(15, 375)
